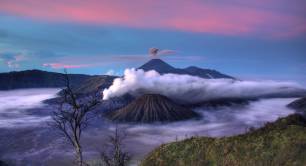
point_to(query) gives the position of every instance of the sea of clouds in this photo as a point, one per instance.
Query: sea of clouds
(18, 123)
(17, 107)
(192, 89)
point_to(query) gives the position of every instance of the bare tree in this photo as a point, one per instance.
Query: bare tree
(115, 154)
(72, 117)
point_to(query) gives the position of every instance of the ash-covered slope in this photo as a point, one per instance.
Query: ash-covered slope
(164, 68)
(91, 86)
(95, 84)
(152, 108)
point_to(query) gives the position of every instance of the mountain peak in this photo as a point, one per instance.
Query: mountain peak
(157, 65)
(156, 60)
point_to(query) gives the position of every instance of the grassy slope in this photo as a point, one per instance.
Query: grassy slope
(280, 143)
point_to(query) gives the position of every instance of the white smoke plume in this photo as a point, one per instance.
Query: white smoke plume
(191, 89)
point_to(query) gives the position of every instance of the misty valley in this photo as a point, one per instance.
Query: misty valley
(26, 137)
(154, 105)
(152, 83)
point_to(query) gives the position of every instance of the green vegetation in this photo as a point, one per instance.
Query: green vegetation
(280, 143)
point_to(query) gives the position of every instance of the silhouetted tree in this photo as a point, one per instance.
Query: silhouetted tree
(72, 116)
(115, 154)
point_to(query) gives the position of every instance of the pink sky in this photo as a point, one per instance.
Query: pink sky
(269, 18)
(62, 66)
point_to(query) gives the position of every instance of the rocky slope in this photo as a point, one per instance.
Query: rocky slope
(280, 143)
(95, 84)
(151, 108)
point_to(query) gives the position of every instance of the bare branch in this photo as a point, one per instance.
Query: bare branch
(116, 156)
(72, 117)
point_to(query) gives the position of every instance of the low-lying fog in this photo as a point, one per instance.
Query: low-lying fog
(26, 138)
(17, 107)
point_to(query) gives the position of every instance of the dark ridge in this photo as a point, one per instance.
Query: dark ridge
(223, 102)
(152, 108)
(2, 163)
(205, 73)
(37, 79)
(299, 105)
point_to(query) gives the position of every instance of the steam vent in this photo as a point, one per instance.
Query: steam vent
(152, 108)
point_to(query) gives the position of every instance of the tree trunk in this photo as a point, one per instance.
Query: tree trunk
(79, 155)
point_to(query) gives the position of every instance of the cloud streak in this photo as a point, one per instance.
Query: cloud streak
(190, 89)
(275, 20)
(12, 60)
(61, 65)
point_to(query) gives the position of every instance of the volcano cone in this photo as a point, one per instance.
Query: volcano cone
(152, 108)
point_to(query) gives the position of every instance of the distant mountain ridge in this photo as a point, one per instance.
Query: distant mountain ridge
(162, 67)
(85, 84)
(99, 83)
(37, 79)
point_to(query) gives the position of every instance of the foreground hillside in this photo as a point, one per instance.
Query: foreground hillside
(280, 143)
